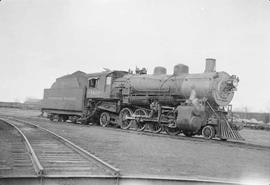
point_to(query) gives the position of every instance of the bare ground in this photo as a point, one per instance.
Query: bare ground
(257, 137)
(146, 155)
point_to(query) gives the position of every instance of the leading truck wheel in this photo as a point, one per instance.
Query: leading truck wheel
(188, 133)
(208, 132)
(124, 122)
(104, 119)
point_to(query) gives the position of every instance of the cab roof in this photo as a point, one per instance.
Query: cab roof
(104, 73)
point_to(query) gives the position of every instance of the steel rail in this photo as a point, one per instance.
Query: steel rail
(119, 180)
(123, 180)
(37, 166)
(81, 151)
(181, 137)
(174, 180)
(178, 137)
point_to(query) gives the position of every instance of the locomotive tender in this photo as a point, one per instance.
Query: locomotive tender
(195, 104)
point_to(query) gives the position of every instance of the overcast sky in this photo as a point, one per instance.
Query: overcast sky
(41, 40)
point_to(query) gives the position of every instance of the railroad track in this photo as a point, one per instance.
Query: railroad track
(14, 156)
(53, 155)
(239, 144)
(58, 161)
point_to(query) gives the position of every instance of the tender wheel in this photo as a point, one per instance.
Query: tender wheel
(140, 125)
(155, 127)
(208, 132)
(60, 118)
(57, 118)
(104, 119)
(65, 118)
(74, 119)
(51, 117)
(125, 123)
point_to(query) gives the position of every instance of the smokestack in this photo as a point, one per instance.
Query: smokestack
(210, 65)
(180, 69)
(160, 70)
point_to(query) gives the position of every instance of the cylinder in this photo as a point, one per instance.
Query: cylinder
(210, 65)
(160, 70)
(187, 121)
(180, 69)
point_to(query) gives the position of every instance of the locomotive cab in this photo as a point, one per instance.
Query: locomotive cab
(100, 84)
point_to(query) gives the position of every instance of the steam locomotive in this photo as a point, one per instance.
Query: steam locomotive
(194, 104)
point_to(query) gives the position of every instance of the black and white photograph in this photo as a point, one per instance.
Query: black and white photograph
(135, 92)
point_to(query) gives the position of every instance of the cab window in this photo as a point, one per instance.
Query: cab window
(108, 80)
(93, 82)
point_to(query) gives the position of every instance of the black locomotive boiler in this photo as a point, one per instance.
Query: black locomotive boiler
(194, 104)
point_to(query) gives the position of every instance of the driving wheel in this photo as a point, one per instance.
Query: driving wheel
(104, 119)
(124, 122)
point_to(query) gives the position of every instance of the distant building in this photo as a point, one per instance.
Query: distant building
(32, 101)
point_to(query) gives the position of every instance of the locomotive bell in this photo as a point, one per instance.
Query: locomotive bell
(180, 69)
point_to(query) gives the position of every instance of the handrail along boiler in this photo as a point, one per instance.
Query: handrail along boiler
(195, 104)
